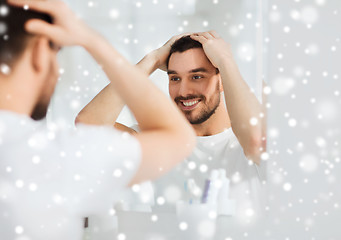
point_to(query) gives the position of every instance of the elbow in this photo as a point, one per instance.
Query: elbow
(83, 118)
(78, 119)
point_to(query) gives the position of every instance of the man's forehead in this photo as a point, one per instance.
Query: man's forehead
(189, 61)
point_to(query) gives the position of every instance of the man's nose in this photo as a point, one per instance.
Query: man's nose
(186, 88)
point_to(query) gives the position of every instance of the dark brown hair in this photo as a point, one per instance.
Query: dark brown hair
(13, 37)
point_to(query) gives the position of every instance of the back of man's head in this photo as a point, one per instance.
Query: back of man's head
(183, 44)
(13, 37)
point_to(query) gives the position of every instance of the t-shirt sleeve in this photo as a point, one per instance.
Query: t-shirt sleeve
(98, 163)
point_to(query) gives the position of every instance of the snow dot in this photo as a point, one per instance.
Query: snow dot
(172, 194)
(296, 15)
(309, 15)
(154, 218)
(160, 200)
(112, 212)
(234, 31)
(236, 177)
(19, 183)
(85, 73)
(26, 7)
(136, 188)
(308, 163)
(74, 104)
(3, 28)
(273, 132)
(274, 16)
(183, 226)
(282, 85)
(138, 4)
(321, 142)
(203, 168)
(292, 122)
(253, 121)
(78, 154)
(77, 177)
(114, 13)
(206, 229)
(205, 23)
(312, 49)
(265, 156)
(286, 29)
(4, 68)
(121, 236)
(19, 229)
(320, 2)
(287, 187)
(328, 109)
(36, 159)
(117, 173)
(249, 212)
(192, 165)
(33, 187)
(4, 10)
(267, 90)
(246, 52)
(57, 199)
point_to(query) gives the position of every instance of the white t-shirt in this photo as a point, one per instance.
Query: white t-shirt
(222, 150)
(50, 179)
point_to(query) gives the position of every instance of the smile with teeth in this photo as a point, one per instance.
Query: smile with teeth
(189, 104)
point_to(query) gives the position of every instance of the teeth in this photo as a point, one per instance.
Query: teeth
(188, 104)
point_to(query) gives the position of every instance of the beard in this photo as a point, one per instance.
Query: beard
(40, 111)
(206, 111)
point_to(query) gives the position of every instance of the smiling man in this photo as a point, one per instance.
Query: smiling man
(50, 177)
(207, 87)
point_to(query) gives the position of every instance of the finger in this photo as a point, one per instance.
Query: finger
(199, 38)
(184, 34)
(177, 37)
(40, 27)
(214, 34)
(39, 6)
(205, 34)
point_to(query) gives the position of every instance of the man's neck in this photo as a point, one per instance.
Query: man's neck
(217, 123)
(14, 101)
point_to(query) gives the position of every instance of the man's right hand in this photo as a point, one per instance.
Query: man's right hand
(161, 54)
(67, 29)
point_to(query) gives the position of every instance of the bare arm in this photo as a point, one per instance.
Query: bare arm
(166, 138)
(105, 108)
(243, 107)
(107, 105)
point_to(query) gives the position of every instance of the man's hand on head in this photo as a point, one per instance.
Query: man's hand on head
(216, 49)
(161, 54)
(67, 29)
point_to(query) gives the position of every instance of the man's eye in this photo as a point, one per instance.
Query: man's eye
(174, 79)
(197, 77)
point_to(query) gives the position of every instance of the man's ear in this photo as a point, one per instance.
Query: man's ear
(221, 87)
(40, 56)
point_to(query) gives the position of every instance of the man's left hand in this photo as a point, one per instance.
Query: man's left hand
(216, 49)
